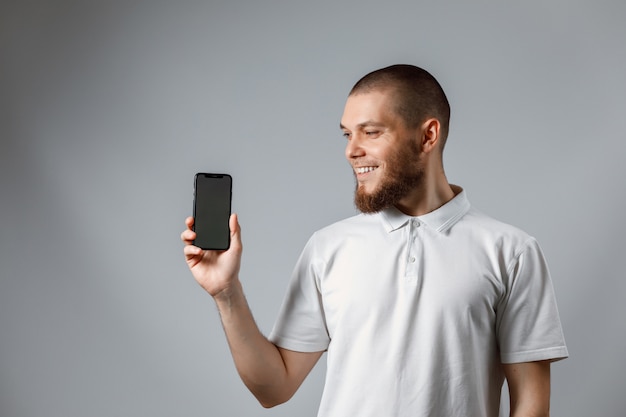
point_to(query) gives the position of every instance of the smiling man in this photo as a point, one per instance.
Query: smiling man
(424, 304)
(388, 160)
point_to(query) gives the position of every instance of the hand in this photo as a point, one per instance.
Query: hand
(215, 270)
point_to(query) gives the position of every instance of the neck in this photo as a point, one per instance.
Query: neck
(434, 192)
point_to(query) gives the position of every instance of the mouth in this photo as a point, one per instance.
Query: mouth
(364, 170)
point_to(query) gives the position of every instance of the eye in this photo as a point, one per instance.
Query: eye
(372, 132)
(346, 135)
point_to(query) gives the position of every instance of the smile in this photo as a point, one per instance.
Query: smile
(363, 170)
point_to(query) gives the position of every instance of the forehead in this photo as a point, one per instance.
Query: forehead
(370, 106)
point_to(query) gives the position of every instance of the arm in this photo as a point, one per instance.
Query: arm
(529, 388)
(272, 374)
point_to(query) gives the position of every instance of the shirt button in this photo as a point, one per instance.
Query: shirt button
(416, 223)
(412, 259)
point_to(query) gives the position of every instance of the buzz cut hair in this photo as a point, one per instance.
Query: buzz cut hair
(418, 96)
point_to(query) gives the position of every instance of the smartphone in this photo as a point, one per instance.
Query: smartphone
(211, 210)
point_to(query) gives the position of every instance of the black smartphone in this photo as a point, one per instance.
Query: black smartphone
(211, 210)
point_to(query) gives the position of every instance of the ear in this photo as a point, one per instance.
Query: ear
(431, 129)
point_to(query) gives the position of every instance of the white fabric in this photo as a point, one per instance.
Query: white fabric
(418, 313)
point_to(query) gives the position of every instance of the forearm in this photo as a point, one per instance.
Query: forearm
(258, 361)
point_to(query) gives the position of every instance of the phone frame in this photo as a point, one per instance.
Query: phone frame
(226, 228)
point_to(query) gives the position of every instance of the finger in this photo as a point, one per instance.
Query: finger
(191, 250)
(188, 236)
(235, 231)
(233, 224)
(189, 222)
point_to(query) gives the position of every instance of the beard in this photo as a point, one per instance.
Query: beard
(403, 175)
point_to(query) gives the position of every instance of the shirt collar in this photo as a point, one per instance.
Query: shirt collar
(440, 219)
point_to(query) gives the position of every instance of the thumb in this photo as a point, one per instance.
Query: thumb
(235, 231)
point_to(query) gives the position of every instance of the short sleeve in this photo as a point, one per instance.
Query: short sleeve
(301, 324)
(528, 323)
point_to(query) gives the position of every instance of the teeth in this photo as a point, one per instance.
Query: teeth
(363, 170)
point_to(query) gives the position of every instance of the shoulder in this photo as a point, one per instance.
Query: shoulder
(484, 223)
(331, 239)
(352, 225)
(494, 233)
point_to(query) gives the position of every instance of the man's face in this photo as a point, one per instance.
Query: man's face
(383, 152)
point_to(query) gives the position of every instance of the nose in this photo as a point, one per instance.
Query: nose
(354, 148)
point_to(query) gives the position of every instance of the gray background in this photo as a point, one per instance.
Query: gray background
(107, 109)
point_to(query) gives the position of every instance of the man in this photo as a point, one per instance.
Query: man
(423, 304)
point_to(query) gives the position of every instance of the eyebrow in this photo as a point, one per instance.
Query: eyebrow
(367, 123)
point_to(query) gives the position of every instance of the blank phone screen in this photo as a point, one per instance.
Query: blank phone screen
(212, 210)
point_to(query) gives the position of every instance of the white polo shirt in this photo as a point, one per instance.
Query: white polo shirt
(418, 313)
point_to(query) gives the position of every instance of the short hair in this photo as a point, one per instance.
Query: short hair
(419, 95)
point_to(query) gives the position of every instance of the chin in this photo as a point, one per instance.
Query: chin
(369, 202)
(365, 191)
